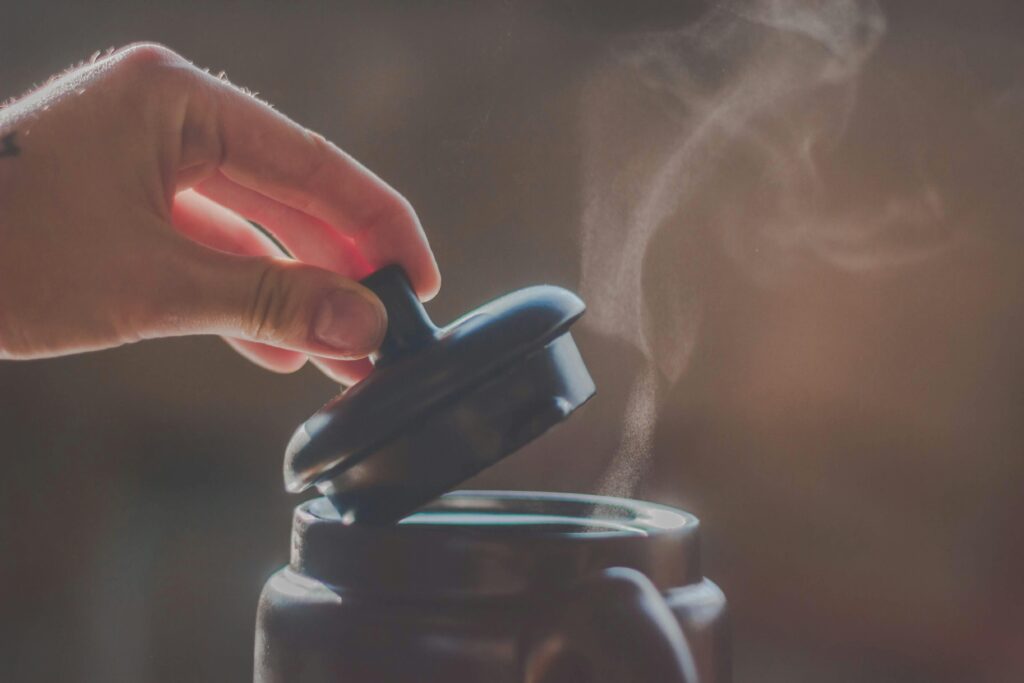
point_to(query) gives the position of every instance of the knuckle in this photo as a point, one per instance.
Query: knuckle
(148, 55)
(154, 65)
(272, 301)
(314, 173)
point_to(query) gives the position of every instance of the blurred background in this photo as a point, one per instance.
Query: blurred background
(798, 227)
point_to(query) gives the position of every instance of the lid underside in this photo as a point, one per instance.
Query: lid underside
(461, 437)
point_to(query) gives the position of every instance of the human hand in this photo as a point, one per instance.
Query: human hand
(124, 189)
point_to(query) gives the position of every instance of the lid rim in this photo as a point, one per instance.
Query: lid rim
(408, 421)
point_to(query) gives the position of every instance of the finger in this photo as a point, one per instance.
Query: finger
(268, 153)
(280, 302)
(347, 372)
(306, 238)
(216, 227)
(211, 224)
(269, 357)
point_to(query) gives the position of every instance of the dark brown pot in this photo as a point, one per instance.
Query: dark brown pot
(495, 587)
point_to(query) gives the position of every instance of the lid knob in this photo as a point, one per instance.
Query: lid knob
(409, 326)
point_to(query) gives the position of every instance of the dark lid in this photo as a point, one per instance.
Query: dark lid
(441, 403)
(496, 543)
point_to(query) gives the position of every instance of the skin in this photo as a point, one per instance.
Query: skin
(125, 185)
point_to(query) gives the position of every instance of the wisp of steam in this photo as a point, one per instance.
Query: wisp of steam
(718, 127)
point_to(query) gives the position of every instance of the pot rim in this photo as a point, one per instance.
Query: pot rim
(488, 543)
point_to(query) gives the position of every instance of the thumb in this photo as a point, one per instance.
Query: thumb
(279, 302)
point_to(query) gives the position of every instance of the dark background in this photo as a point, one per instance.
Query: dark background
(852, 439)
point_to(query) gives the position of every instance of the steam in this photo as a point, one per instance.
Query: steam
(718, 129)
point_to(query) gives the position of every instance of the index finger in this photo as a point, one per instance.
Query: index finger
(261, 149)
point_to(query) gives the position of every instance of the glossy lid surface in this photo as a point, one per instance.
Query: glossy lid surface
(441, 403)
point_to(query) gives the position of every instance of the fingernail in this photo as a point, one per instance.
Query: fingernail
(348, 321)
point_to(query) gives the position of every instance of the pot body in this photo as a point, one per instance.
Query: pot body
(498, 588)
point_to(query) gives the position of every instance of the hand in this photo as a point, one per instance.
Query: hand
(124, 189)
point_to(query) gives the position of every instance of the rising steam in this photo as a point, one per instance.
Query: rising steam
(718, 129)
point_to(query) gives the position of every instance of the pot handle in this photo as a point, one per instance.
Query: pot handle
(613, 627)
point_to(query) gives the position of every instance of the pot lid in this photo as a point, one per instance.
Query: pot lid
(442, 403)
